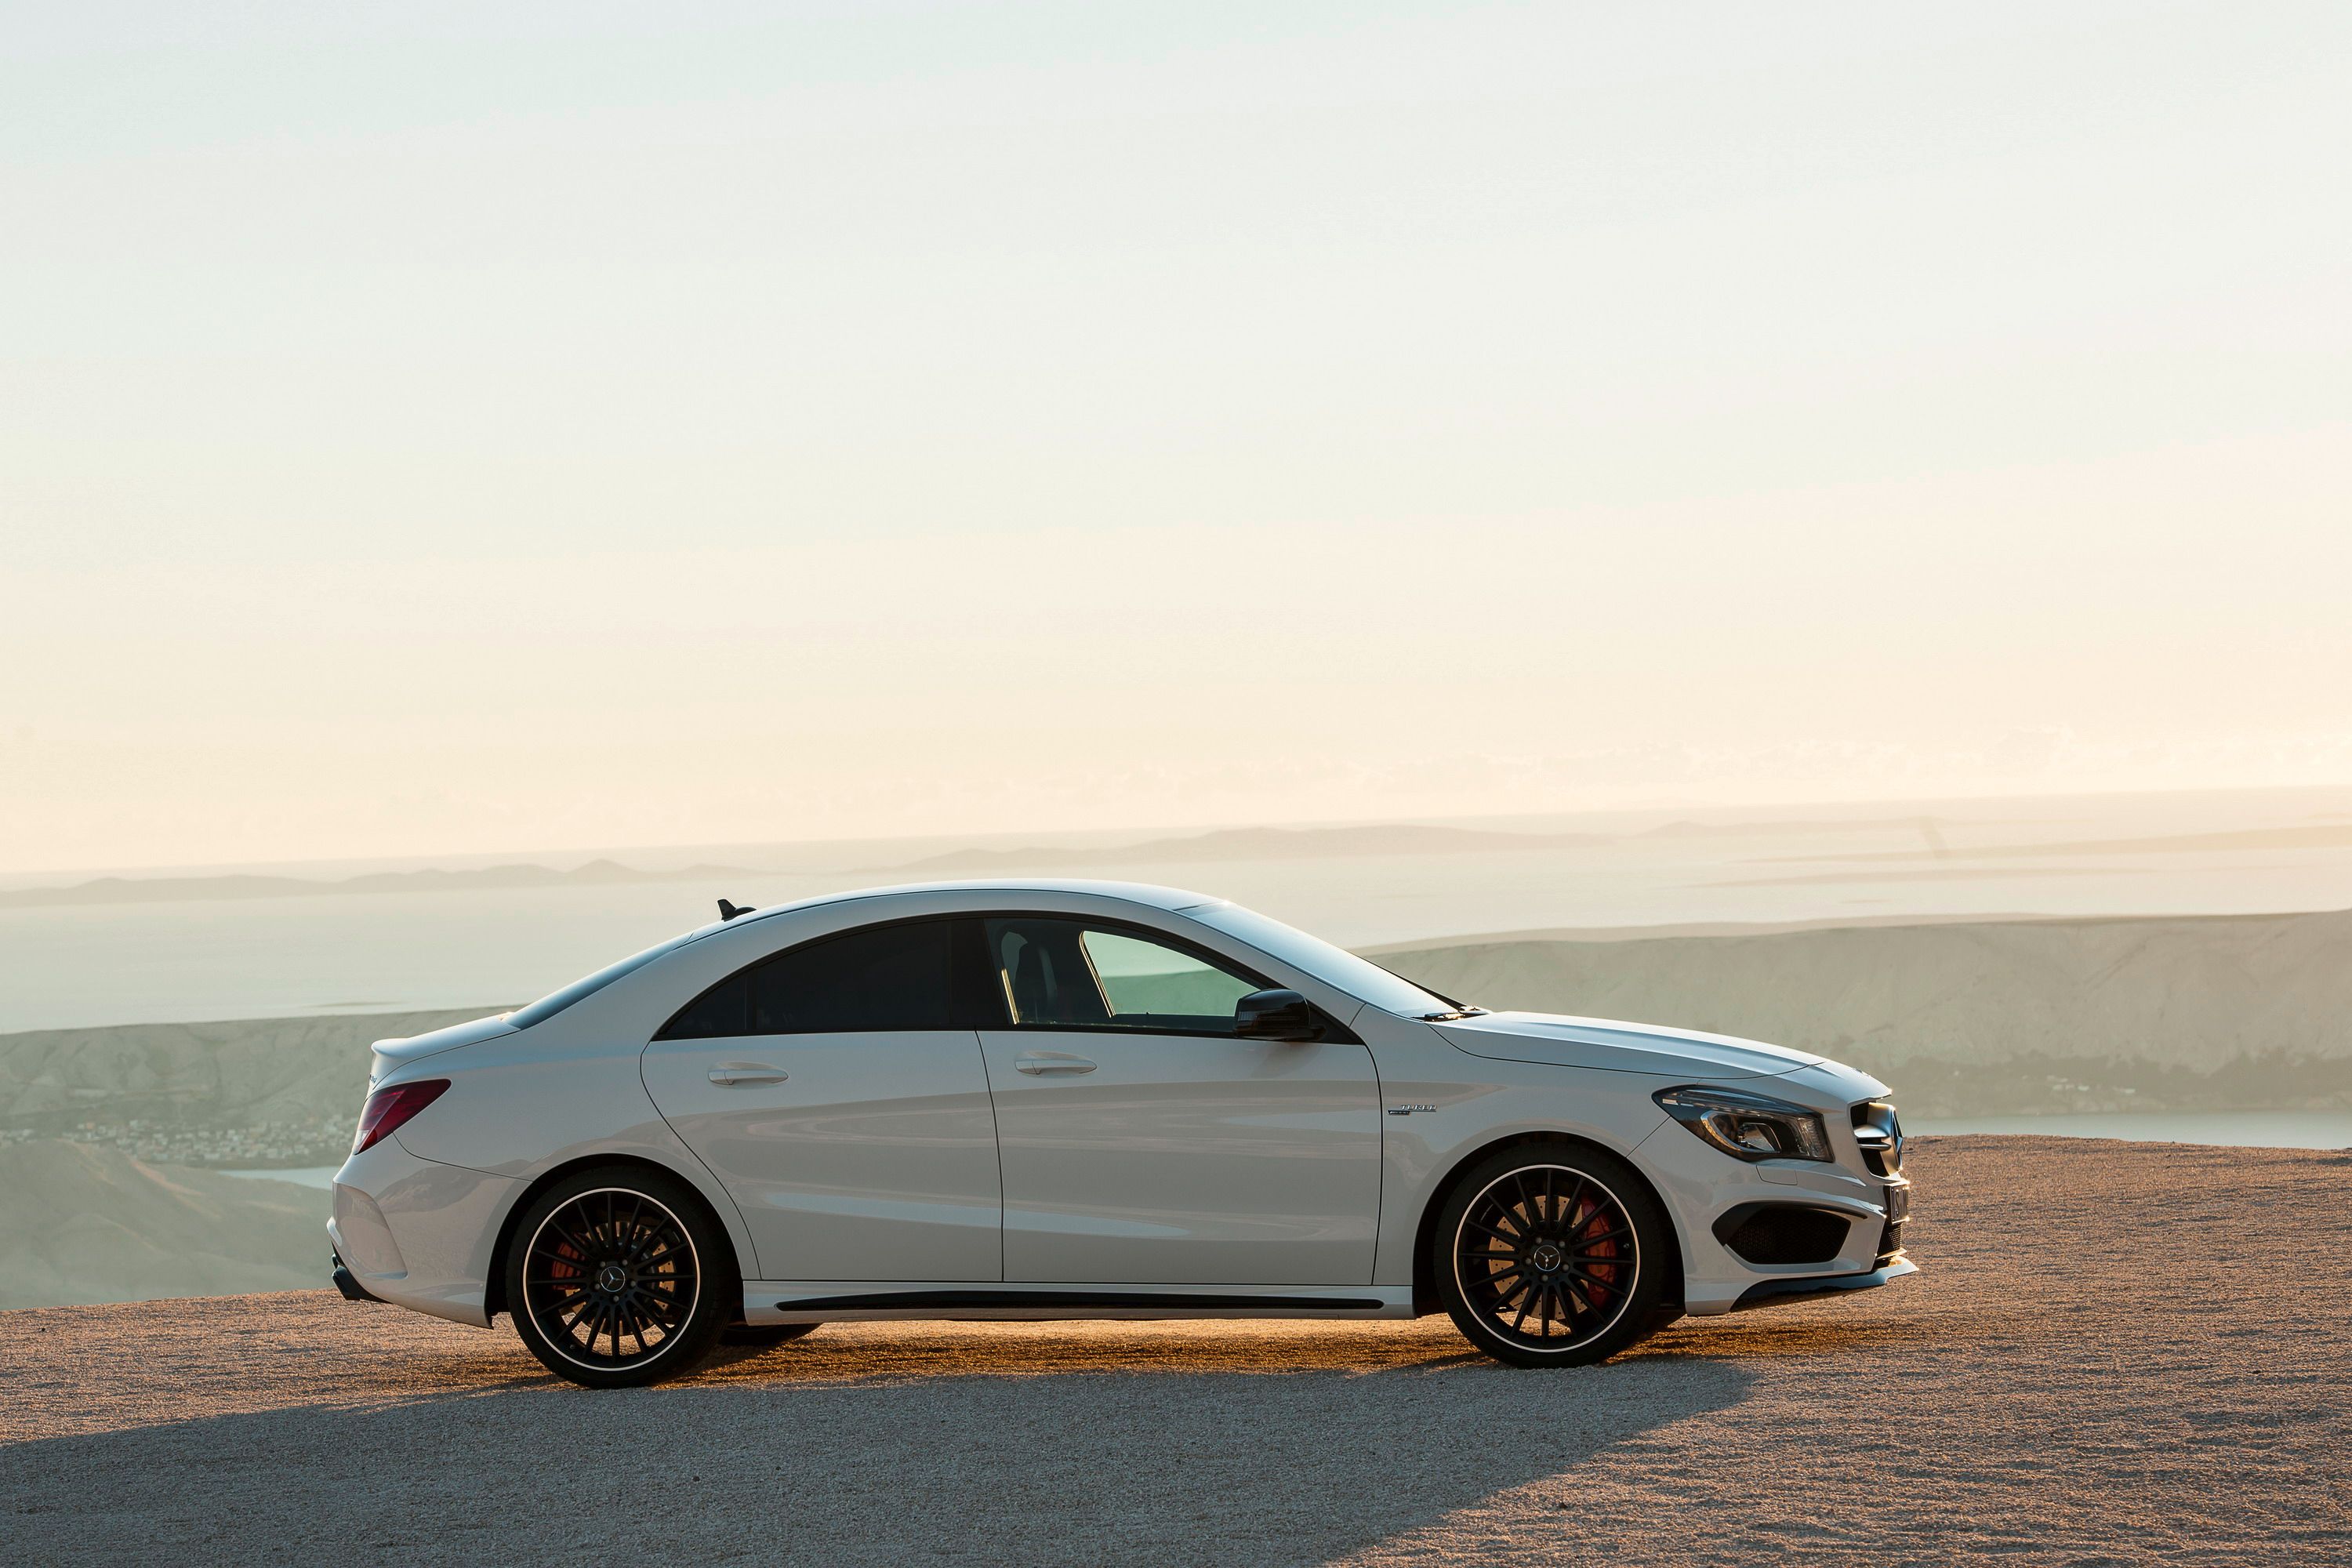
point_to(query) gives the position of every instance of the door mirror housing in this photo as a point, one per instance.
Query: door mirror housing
(1276, 1016)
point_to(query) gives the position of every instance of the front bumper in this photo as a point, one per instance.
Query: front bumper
(1774, 1292)
(1706, 1188)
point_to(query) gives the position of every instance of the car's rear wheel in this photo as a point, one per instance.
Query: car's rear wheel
(766, 1336)
(1551, 1253)
(619, 1277)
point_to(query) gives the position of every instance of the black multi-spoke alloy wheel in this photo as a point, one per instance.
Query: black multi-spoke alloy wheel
(1551, 1253)
(620, 1276)
(766, 1336)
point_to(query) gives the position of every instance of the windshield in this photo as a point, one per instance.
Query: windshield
(1333, 966)
(549, 1005)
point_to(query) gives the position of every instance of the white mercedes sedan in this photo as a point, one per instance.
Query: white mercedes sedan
(1087, 1100)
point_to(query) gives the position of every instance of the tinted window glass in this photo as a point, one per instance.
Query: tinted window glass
(890, 977)
(715, 1014)
(862, 981)
(1075, 974)
(1147, 986)
(1045, 973)
(1359, 977)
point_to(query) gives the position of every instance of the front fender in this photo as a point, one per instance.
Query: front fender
(1474, 1103)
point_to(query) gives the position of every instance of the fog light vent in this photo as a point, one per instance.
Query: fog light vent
(1782, 1233)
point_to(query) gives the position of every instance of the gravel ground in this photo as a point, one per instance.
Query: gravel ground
(2117, 1353)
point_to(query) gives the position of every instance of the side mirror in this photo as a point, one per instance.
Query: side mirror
(1276, 1016)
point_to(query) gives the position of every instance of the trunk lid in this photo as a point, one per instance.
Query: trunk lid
(388, 1055)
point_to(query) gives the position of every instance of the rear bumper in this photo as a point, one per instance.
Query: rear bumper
(415, 1233)
(348, 1283)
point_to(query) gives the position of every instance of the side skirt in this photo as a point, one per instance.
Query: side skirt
(846, 1302)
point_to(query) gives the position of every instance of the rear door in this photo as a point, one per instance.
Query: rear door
(830, 1089)
(1143, 1142)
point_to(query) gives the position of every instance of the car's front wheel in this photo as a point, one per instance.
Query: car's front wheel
(620, 1276)
(1551, 1253)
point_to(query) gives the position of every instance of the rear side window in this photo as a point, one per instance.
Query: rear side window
(883, 978)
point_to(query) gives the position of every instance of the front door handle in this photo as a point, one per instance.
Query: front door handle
(1036, 1062)
(736, 1073)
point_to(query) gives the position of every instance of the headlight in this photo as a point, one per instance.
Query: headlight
(1748, 1126)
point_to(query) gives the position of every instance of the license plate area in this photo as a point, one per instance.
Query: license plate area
(1899, 1202)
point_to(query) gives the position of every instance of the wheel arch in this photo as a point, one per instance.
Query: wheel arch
(1425, 1299)
(494, 1296)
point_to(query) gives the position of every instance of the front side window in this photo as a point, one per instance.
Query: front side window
(1074, 974)
(884, 978)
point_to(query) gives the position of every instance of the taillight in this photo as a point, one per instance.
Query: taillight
(386, 1108)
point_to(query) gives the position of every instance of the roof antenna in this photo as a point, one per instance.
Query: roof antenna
(728, 912)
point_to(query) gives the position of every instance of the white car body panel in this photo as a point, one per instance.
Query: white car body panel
(418, 1231)
(391, 1055)
(1476, 1103)
(518, 1121)
(1182, 1176)
(874, 1159)
(1141, 1159)
(1602, 1045)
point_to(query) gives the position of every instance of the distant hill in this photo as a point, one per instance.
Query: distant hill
(188, 1079)
(2257, 839)
(1981, 1016)
(1251, 844)
(1360, 841)
(1227, 844)
(165, 889)
(88, 1224)
(1928, 827)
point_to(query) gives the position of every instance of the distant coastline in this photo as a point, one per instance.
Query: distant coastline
(175, 889)
(1214, 846)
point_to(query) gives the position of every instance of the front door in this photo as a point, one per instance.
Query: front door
(1143, 1142)
(826, 1087)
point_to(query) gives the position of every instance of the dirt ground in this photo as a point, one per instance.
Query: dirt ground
(2116, 1354)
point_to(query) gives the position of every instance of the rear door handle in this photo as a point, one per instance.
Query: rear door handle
(735, 1073)
(1036, 1062)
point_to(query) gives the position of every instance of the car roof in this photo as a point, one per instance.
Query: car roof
(1144, 893)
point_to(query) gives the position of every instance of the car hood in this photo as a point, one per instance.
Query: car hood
(391, 1053)
(1615, 1047)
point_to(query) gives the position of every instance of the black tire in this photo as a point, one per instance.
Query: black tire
(633, 1258)
(1552, 1254)
(766, 1336)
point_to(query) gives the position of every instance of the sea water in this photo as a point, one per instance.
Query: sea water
(84, 965)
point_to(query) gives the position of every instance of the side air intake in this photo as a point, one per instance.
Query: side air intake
(1784, 1233)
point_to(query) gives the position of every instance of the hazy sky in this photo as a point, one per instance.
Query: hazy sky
(461, 427)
